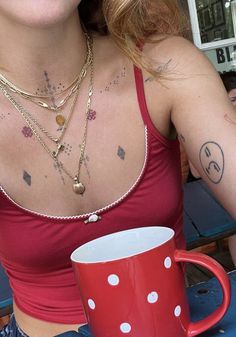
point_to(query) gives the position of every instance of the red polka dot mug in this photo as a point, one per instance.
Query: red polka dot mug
(132, 285)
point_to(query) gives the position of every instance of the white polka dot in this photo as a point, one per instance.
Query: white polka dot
(125, 327)
(167, 262)
(152, 297)
(91, 304)
(177, 311)
(113, 280)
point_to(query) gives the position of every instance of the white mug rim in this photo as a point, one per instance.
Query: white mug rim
(77, 254)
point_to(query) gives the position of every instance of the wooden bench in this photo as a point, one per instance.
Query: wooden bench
(205, 220)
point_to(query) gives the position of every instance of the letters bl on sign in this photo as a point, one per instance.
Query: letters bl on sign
(223, 58)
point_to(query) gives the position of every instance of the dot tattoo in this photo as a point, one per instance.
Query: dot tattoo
(4, 115)
(212, 161)
(67, 148)
(92, 114)
(27, 178)
(49, 88)
(115, 81)
(27, 132)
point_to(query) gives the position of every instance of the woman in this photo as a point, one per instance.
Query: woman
(89, 142)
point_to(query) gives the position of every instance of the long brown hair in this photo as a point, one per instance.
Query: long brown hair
(130, 22)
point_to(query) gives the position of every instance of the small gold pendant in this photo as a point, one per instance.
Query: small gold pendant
(78, 187)
(60, 119)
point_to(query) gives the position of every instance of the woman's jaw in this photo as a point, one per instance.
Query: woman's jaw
(37, 13)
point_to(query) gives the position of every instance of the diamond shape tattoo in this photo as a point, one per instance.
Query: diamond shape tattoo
(27, 178)
(121, 153)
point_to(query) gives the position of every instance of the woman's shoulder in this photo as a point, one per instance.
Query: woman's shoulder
(169, 43)
(178, 53)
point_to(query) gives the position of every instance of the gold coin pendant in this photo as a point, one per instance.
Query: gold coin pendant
(60, 119)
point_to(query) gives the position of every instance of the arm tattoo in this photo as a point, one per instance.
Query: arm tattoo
(121, 153)
(160, 69)
(229, 119)
(27, 178)
(181, 138)
(212, 160)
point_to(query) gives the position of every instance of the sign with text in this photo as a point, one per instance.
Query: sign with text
(223, 58)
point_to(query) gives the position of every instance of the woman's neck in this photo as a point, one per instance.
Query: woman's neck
(33, 57)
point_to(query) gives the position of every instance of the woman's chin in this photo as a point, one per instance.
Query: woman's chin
(38, 14)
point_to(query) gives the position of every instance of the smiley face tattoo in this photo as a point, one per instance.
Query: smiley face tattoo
(212, 160)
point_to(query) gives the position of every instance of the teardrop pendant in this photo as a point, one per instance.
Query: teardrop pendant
(78, 187)
(60, 119)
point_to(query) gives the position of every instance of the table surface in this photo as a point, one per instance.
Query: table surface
(205, 220)
(205, 297)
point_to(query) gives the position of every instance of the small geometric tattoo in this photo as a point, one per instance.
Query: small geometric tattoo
(3, 115)
(27, 132)
(91, 115)
(181, 138)
(50, 89)
(27, 178)
(115, 81)
(67, 148)
(59, 170)
(121, 153)
(85, 161)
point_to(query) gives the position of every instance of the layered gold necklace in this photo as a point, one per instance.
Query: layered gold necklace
(40, 99)
(78, 186)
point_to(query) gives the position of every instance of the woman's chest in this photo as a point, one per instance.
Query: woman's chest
(106, 152)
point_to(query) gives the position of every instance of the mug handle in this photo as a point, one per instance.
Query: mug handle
(212, 265)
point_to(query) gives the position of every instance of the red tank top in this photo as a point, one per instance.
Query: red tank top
(35, 249)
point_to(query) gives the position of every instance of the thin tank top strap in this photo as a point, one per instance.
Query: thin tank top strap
(141, 95)
(139, 82)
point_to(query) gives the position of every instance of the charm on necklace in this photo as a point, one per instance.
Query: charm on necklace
(60, 147)
(60, 119)
(78, 187)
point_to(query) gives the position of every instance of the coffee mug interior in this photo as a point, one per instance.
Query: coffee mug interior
(122, 244)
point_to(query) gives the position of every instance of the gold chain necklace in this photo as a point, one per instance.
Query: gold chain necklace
(57, 140)
(65, 124)
(34, 98)
(27, 116)
(22, 92)
(78, 186)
